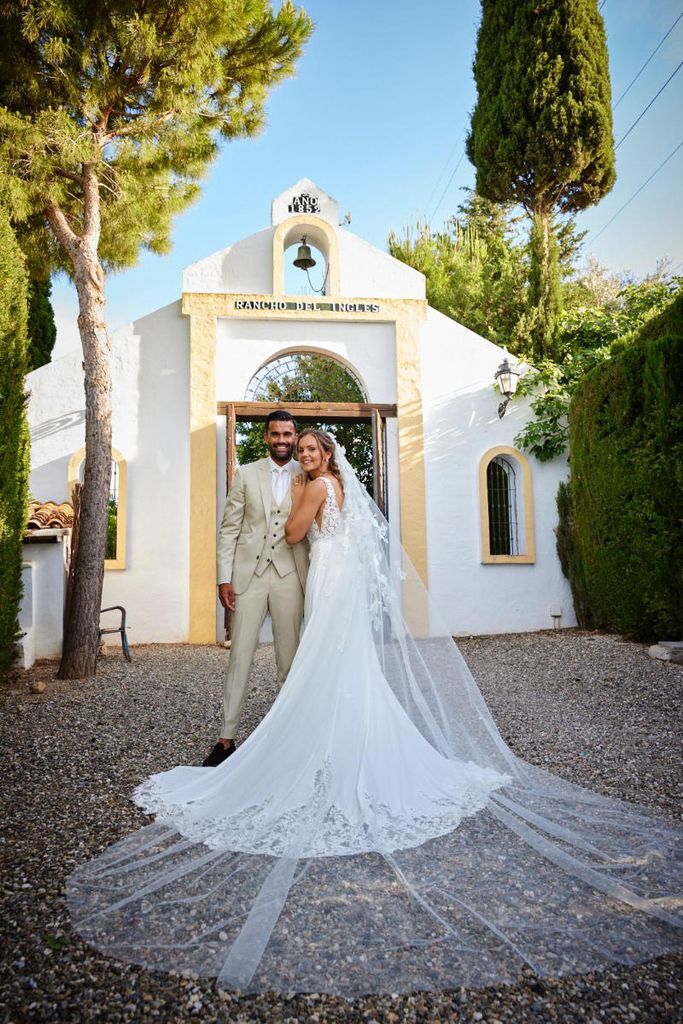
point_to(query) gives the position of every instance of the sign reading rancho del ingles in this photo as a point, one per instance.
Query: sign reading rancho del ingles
(277, 305)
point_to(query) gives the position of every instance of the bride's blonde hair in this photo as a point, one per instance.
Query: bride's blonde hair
(326, 443)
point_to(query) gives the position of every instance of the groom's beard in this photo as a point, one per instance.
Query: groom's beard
(280, 453)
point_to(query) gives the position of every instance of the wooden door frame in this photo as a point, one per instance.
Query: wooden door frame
(311, 412)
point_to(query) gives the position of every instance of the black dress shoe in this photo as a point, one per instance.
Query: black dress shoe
(218, 755)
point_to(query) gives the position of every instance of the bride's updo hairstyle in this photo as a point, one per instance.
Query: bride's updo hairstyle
(326, 443)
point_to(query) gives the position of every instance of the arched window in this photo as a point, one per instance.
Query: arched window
(506, 505)
(117, 509)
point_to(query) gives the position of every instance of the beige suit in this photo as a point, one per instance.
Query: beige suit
(268, 575)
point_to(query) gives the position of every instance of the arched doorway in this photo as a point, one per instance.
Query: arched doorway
(319, 390)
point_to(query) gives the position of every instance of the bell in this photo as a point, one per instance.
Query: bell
(304, 260)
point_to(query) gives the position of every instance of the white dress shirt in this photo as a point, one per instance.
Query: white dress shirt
(281, 478)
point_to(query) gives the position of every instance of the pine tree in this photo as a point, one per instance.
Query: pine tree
(541, 130)
(14, 438)
(110, 113)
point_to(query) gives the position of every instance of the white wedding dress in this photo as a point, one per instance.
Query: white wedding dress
(374, 832)
(336, 751)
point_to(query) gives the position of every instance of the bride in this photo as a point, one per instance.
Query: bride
(375, 833)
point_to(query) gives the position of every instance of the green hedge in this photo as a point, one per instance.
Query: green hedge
(14, 438)
(620, 538)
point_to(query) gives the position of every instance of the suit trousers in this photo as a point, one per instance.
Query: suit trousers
(283, 597)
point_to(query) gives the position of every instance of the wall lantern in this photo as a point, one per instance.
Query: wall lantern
(304, 259)
(506, 377)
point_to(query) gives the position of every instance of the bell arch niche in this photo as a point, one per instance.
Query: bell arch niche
(320, 235)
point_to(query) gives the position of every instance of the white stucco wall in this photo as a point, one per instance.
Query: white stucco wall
(366, 271)
(461, 424)
(43, 605)
(150, 368)
(247, 267)
(151, 430)
(56, 416)
(243, 346)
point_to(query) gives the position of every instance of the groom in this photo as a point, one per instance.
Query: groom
(258, 571)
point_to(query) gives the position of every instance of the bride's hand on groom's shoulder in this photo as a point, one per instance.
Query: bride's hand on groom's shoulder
(298, 487)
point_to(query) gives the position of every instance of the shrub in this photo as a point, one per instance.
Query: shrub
(621, 525)
(14, 439)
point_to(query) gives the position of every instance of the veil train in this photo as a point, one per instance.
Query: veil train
(545, 874)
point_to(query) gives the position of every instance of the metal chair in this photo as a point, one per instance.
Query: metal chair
(117, 629)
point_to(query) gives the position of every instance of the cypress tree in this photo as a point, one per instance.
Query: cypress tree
(42, 331)
(541, 130)
(14, 438)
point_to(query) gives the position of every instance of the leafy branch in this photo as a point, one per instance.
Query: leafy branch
(590, 337)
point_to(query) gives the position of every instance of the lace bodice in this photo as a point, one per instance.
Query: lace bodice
(331, 517)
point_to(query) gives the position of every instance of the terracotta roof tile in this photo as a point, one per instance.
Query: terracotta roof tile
(45, 514)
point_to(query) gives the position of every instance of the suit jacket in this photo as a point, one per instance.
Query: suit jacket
(252, 532)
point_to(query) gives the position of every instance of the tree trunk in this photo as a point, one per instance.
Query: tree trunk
(82, 624)
(544, 286)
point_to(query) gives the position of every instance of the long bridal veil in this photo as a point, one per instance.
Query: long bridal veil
(547, 875)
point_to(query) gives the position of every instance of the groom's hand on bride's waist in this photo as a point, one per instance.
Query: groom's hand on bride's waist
(226, 596)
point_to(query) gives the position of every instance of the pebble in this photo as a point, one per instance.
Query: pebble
(594, 708)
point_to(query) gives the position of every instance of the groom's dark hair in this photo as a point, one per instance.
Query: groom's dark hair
(279, 415)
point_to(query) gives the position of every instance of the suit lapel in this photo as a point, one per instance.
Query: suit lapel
(265, 486)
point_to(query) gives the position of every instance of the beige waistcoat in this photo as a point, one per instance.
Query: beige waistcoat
(252, 532)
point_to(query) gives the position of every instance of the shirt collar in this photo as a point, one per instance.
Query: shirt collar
(288, 466)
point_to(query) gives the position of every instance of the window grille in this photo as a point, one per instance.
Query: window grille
(112, 508)
(288, 377)
(501, 487)
(113, 511)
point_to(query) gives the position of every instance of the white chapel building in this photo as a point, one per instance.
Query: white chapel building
(476, 515)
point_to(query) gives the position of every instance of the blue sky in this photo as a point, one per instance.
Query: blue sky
(377, 117)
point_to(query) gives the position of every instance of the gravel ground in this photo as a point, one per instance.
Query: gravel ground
(592, 708)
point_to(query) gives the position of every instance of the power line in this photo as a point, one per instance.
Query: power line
(444, 168)
(643, 112)
(637, 192)
(448, 185)
(659, 44)
(602, 5)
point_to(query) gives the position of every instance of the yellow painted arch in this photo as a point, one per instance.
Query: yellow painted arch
(122, 508)
(320, 233)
